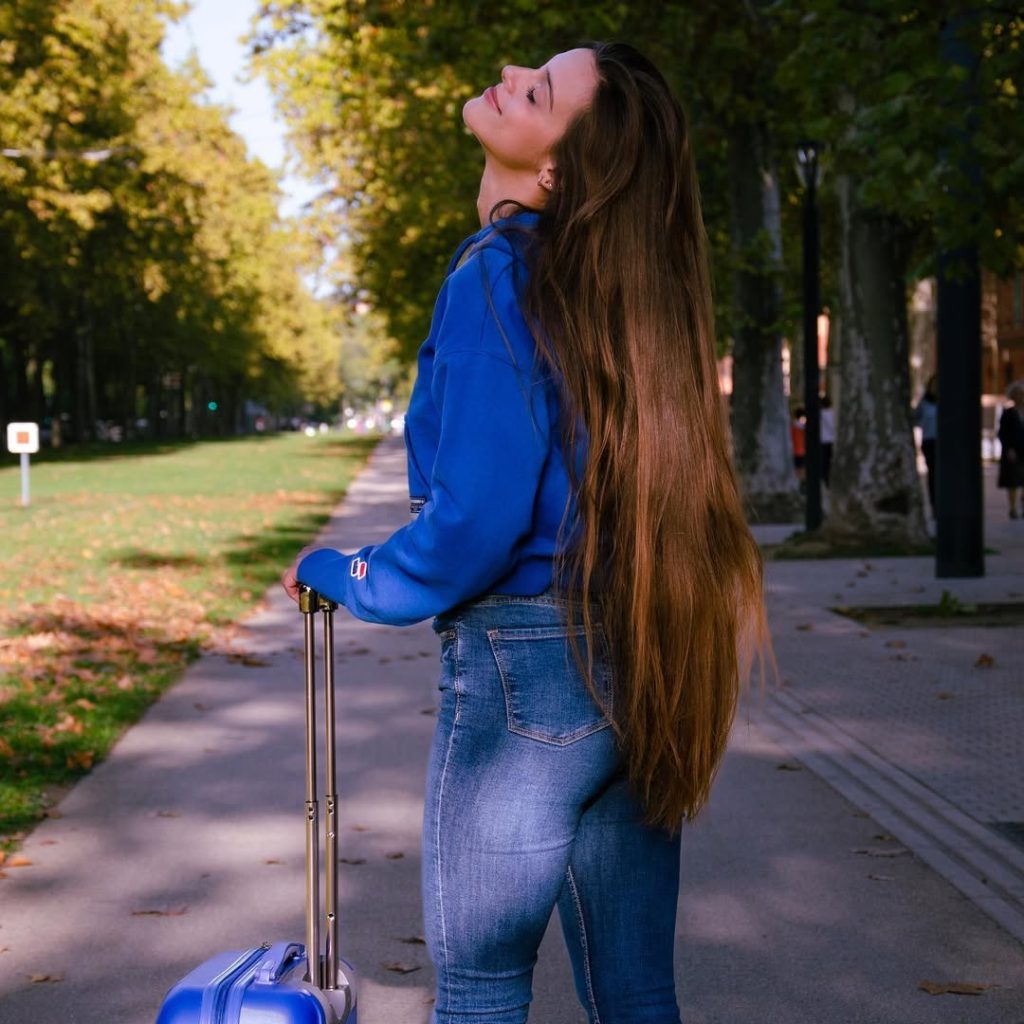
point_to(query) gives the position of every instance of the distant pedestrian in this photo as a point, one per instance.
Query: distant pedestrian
(926, 416)
(828, 438)
(1011, 440)
(798, 436)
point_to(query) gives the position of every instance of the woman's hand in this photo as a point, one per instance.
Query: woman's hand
(288, 578)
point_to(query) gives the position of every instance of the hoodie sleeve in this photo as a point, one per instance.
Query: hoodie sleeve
(484, 481)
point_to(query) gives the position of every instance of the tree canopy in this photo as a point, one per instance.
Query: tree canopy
(373, 91)
(148, 274)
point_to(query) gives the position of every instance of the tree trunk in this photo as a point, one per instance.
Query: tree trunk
(19, 378)
(85, 375)
(876, 494)
(760, 414)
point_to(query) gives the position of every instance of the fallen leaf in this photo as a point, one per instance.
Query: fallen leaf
(877, 851)
(176, 911)
(40, 979)
(251, 660)
(427, 711)
(805, 627)
(943, 695)
(397, 967)
(895, 643)
(882, 878)
(360, 828)
(201, 707)
(883, 837)
(168, 814)
(787, 766)
(414, 940)
(69, 724)
(952, 988)
(985, 661)
(398, 855)
(18, 861)
(273, 860)
(80, 759)
(351, 860)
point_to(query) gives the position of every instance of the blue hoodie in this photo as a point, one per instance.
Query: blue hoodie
(487, 480)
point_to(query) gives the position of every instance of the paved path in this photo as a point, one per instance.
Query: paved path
(860, 840)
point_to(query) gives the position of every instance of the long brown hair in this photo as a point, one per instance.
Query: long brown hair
(619, 297)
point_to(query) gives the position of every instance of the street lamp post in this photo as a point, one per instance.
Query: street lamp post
(959, 516)
(807, 170)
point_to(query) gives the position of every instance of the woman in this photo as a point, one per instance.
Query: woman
(926, 416)
(579, 540)
(827, 438)
(1011, 440)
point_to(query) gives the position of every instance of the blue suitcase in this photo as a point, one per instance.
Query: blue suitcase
(278, 983)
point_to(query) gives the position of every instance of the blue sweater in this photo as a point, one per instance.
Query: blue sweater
(485, 464)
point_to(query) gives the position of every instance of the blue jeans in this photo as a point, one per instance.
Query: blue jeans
(527, 809)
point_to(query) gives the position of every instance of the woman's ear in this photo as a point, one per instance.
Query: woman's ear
(546, 177)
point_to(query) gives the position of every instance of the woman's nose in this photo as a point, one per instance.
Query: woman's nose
(509, 74)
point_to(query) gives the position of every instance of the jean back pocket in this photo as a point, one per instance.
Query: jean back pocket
(546, 694)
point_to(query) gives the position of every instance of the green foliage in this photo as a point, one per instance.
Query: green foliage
(373, 92)
(145, 262)
(928, 141)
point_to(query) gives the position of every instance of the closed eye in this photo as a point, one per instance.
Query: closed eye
(530, 92)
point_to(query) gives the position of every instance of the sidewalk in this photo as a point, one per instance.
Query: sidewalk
(801, 902)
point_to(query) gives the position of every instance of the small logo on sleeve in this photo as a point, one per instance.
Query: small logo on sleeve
(357, 570)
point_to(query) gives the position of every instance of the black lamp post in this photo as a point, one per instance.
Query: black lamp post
(808, 171)
(959, 514)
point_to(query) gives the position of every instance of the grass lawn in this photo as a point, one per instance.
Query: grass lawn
(129, 560)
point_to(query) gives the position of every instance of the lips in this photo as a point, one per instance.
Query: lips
(492, 94)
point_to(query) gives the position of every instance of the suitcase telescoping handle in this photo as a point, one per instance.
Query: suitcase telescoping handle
(321, 972)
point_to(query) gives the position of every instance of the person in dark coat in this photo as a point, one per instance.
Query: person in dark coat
(1011, 440)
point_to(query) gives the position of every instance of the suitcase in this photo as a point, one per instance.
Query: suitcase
(281, 983)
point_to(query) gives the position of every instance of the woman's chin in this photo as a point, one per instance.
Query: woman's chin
(470, 112)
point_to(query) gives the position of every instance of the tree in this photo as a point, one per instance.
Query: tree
(739, 107)
(148, 268)
(871, 81)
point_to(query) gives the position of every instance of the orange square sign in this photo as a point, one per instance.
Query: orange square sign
(23, 438)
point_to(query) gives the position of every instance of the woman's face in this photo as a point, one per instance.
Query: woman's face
(519, 120)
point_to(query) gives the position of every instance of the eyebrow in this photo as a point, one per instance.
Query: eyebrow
(551, 91)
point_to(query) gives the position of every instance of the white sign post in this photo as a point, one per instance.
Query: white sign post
(23, 440)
